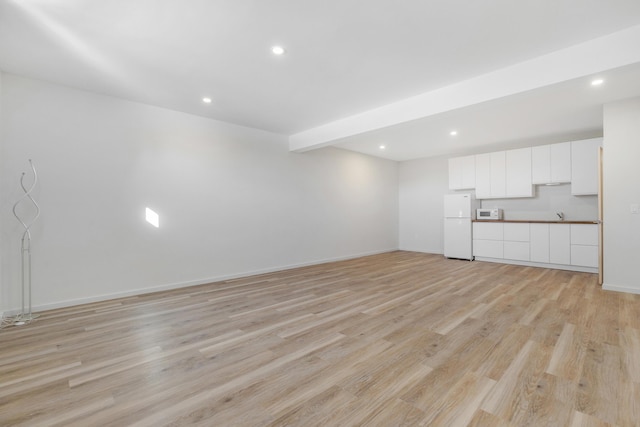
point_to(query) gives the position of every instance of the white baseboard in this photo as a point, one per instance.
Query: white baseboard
(540, 264)
(169, 286)
(625, 289)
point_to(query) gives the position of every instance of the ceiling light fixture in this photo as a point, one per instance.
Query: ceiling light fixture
(597, 82)
(453, 133)
(382, 147)
(278, 50)
(206, 100)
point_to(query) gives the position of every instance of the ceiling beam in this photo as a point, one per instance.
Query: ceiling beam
(581, 60)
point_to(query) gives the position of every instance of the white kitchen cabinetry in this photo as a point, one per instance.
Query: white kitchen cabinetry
(498, 174)
(488, 230)
(556, 245)
(584, 166)
(539, 249)
(512, 173)
(551, 164)
(483, 176)
(488, 240)
(503, 174)
(584, 245)
(491, 175)
(462, 173)
(559, 244)
(518, 173)
(516, 241)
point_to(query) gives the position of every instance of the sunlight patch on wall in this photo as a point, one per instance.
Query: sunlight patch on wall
(152, 217)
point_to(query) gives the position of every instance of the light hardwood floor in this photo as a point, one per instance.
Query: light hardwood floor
(387, 340)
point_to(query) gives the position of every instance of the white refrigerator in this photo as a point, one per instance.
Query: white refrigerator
(459, 210)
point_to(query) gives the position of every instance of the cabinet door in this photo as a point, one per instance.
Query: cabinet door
(488, 248)
(539, 243)
(559, 244)
(584, 256)
(518, 173)
(541, 164)
(498, 174)
(516, 250)
(584, 234)
(584, 167)
(468, 171)
(516, 232)
(483, 176)
(560, 162)
(488, 231)
(462, 172)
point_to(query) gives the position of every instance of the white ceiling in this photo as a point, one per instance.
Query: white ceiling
(344, 58)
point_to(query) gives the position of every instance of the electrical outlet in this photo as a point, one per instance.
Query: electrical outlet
(634, 208)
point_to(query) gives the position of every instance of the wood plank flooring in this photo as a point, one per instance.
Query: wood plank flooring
(397, 339)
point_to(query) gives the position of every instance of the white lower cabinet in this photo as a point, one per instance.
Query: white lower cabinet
(516, 241)
(559, 245)
(539, 243)
(488, 231)
(488, 239)
(518, 251)
(584, 245)
(488, 248)
(584, 256)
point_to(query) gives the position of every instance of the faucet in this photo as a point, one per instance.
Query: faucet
(560, 215)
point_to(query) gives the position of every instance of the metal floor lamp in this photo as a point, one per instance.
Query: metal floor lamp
(26, 314)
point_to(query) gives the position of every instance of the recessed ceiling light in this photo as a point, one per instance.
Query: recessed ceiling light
(382, 147)
(453, 133)
(597, 82)
(206, 100)
(278, 50)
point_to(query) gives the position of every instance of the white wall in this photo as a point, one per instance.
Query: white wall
(2, 204)
(423, 183)
(621, 180)
(546, 202)
(232, 200)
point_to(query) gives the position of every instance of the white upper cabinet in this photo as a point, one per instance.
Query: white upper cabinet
(483, 176)
(462, 173)
(541, 164)
(561, 162)
(584, 166)
(504, 174)
(518, 173)
(498, 176)
(551, 164)
(490, 175)
(512, 173)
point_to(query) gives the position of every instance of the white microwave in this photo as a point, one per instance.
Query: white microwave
(489, 214)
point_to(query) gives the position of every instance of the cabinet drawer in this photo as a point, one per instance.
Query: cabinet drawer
(488, 248)
(516, 232)
(488, 231)
(584, 234)
(516, 251)
(584, 256)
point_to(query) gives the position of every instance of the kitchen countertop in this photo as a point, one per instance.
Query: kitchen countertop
(535, 221)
